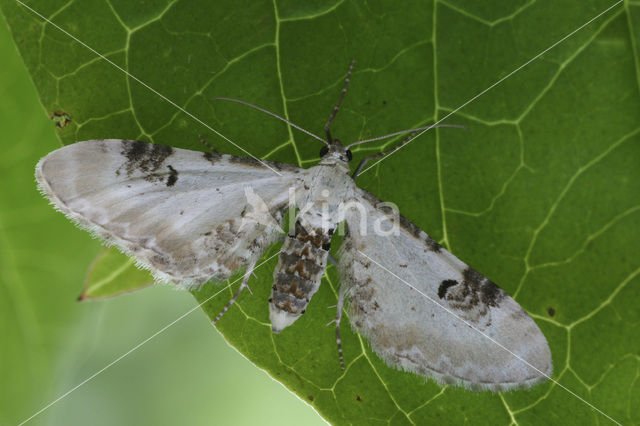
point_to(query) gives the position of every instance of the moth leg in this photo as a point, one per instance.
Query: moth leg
(365, 160)
(339, 308)
(208, 145)
(333, 261)
(245, 284)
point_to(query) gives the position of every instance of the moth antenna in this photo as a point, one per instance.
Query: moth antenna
(381, 154)
(417, 129)
(337, 107)
(208, 145)
(249, 104)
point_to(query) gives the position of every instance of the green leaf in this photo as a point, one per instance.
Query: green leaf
(51, 343)
(113, 273)
(540, 194)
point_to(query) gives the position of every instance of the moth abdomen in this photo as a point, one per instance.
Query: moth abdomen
(296, 286)
(297, 277)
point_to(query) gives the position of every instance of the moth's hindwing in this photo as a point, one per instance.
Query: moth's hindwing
(179, 213)
(413, 331)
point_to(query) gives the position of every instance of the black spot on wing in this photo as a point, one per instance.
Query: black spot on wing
(487, 291)
(248, 161)
(144, 157)
(491, 294)
(411, 228)
(173, 176)
(433, 244)
(211, 157)
(475, 293)
(285, 166)
(418, 233)
(444, 286)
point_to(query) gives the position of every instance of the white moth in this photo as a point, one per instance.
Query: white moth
(191, 217)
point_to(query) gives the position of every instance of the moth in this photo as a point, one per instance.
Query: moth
(191, 217)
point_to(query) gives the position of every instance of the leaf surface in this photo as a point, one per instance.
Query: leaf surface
(540, 194)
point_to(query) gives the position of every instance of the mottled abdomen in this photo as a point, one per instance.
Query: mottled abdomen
(302, 262)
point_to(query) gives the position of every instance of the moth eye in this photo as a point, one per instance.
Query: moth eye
(323, 151)
(349, 155)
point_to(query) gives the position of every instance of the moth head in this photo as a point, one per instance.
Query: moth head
(335, 151)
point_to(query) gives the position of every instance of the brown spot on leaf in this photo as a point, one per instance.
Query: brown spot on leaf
(60, 118)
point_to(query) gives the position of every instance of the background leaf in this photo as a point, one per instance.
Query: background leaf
(540, 194)
(112, 273)
(50, 343)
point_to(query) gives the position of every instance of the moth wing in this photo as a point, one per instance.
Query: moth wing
(182, 214)
(425, 333)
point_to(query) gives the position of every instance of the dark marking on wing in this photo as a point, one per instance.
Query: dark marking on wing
(444, 286)
(551, 311)
(212, 157)
(475, 291)
(405, 223)
(145, 157)
(433, 244)
(385, 209)
(370, 197)
(490, 293)
(249, 161)
(411, 228)
(262, 164)
(173, 176)
(285, 166)
(310, 397)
